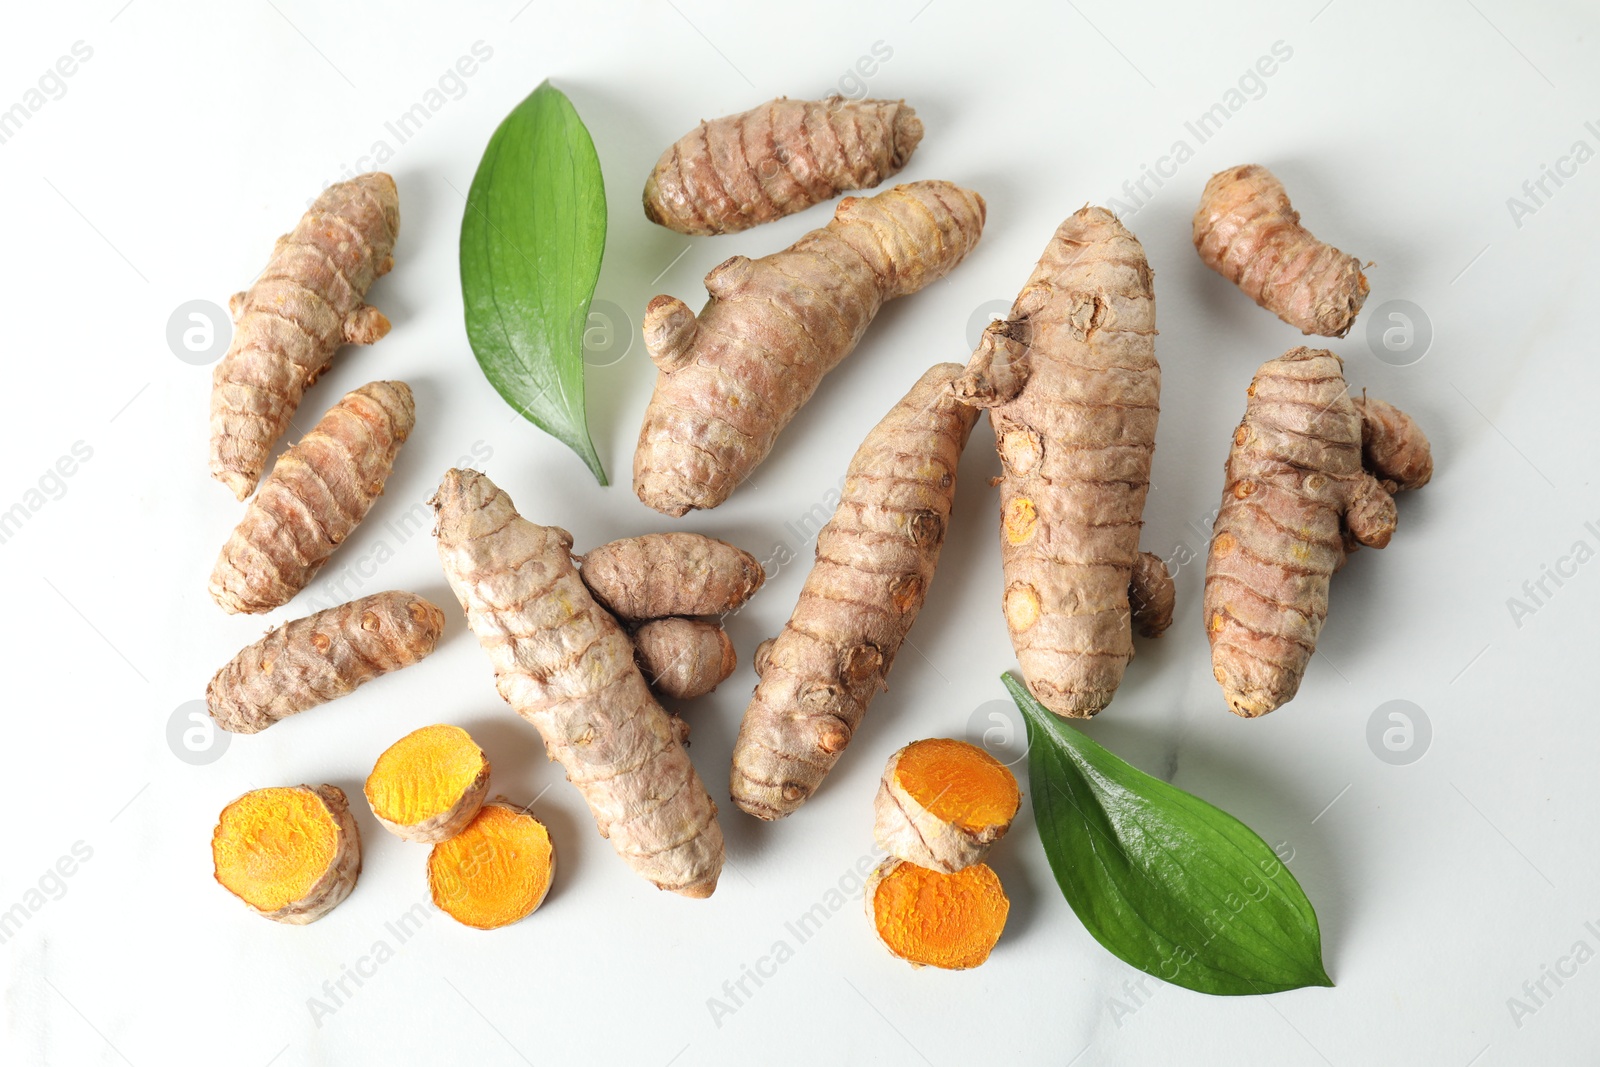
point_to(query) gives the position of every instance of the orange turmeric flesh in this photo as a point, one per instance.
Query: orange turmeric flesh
(429, 785)
(941, 803)
(937, 920)
(496, 871)
(290, 852)
(958, 783)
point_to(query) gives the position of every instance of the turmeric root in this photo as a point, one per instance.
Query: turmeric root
(942, 803)
(875, 558)
(496, 871)
(429, 785)
(731, 380)
(683, 658)
(322, 657)
(1246, 231)
(741, 170)
(564, 664)
(1072, 387)
(291, 853)
(317, 493)
(1297, 499)
(1392, 447)
(657, 575)
(287, 326)
(933, 919)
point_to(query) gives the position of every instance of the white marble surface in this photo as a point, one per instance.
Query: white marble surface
(159, 172)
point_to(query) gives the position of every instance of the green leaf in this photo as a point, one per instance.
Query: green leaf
(1169, 884)
(531, 242)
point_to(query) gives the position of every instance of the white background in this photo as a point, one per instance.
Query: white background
(197, 132)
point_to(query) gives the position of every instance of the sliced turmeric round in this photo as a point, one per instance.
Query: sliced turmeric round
(933, 919)
(496, 871)
(291, 853)
(430, 784)
(941, 803)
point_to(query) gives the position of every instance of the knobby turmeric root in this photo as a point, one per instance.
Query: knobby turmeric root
(291, 853)
(1392, 447)
(933, 919)
(1073, 388)
(429, 785)
(322, 657)
(496, 871)
(942, 803)
(731, 380)
(657, 575)
(741, 170)
(564, 664)
(875, 558)
(1297, 499)
(683, 658)
(317, 493)
(290, 322)
(1246, 231)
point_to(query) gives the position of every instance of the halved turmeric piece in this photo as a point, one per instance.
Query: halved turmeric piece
(933, 919)
(430, 784)
(291, 853)
(942, 803)
(496, 871)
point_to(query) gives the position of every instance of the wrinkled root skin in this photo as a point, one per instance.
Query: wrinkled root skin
(739, 171)
(875, 559)
(657, 575)
(287, 326)
(322, 657)
(1073, 390)
(565, 664)
(1296, 500)
(733, 378)
(317, 493)
(1246, 231)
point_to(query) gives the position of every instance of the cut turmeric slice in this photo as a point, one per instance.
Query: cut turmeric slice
(933, 919)
(291, 853)
(942, 803)
(430, 784)
(496, 871)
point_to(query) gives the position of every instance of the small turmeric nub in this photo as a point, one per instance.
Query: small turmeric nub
(291, 853)
(429, 785)
(683, 658)
(942, 803)
(495, 872)
(933, 919)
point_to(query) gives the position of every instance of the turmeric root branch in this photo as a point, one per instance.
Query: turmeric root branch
(741, 170)
(732, 380)
(875, 558)
(317, 493)
(322, 657)
(288, 325)
(1246, 231)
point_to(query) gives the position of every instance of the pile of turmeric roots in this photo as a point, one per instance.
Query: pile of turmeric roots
(584, 646)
